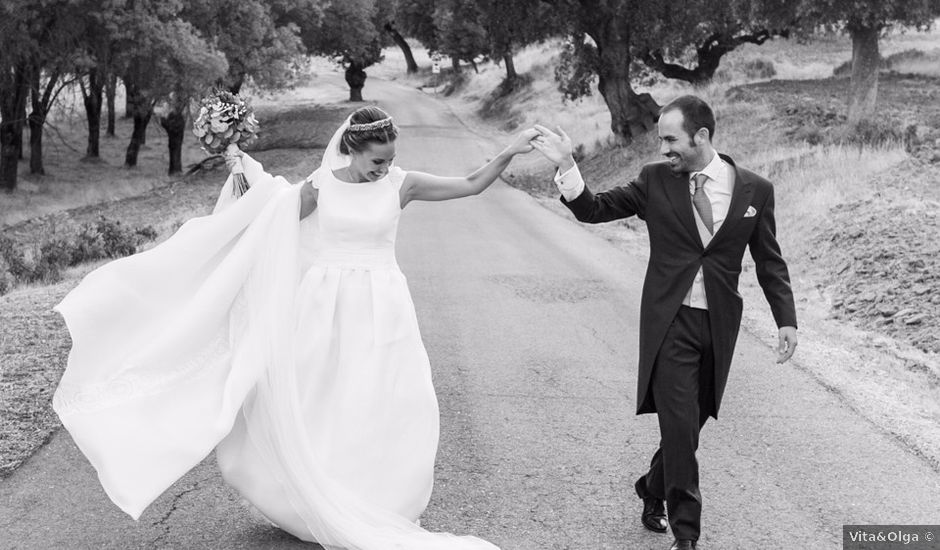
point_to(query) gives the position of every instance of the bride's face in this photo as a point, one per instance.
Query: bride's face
(373, 162)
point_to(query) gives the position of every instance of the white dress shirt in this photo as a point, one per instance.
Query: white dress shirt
(718, 188)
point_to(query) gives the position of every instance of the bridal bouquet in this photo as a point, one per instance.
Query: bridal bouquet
(224, 122)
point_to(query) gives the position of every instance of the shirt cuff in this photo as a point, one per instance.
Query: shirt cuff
(571, 184)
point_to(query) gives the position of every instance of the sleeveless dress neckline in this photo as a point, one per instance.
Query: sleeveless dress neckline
(344, 182)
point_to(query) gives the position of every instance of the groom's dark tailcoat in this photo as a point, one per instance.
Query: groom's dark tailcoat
(661, 198)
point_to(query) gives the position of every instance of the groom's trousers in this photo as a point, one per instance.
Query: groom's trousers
(684, 393)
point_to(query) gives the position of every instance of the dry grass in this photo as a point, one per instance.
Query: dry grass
(33, 345)
(820, 178)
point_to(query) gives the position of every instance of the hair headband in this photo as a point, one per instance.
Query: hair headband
(384, 123)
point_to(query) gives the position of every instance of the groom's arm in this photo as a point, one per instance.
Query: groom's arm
(617, 203)
(774, 277)
(770, 267)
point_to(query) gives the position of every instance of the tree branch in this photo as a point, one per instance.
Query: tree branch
(709, 54)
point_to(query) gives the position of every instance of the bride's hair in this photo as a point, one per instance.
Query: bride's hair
(367, 125)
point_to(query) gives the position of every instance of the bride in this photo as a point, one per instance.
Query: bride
(292, 349)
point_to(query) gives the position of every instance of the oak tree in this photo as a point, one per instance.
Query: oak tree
(865, 21)
(349, 34)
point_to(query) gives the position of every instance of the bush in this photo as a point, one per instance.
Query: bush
(845, 69)
(905, 56)
(809, 133)
(894, 62)
(54, 256)
(12, 260)
(108, 239)
(875, 132)
(759, 68)
(723, 74)
(94, 241)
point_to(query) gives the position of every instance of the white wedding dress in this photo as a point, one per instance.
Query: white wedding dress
(291, 348)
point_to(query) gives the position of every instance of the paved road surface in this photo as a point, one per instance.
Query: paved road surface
(531, 324)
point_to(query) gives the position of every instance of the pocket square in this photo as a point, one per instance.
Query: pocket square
(751, 212)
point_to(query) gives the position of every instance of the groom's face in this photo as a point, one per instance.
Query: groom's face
(680, 149)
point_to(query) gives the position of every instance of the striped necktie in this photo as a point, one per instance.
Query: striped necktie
(701, 202)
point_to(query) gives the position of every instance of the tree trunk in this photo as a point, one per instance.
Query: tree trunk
(110, 92)
(138, 135)
(15, 92)
(356, 78)
(141, 109)
(175, 124)
(36, 120)
(631, 114)
(455, 64)
(511, 73)
(19, 135)
(36, 123)
(405, 48)
(42, 99)
(863, 92)
(92, 100)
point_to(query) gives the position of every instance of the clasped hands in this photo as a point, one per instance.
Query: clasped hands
(554, 145)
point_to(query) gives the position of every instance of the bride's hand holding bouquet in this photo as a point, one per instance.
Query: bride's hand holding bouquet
(224, 122)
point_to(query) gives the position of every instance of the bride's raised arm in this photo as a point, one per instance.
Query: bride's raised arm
(428, 187)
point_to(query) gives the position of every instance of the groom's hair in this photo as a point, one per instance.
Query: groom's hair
(367, 125)
(695, 114)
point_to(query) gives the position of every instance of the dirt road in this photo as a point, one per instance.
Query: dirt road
(530, 321)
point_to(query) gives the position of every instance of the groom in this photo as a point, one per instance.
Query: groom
(701, 210)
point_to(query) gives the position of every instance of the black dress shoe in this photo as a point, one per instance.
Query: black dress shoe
(654, 509)
(683, 544)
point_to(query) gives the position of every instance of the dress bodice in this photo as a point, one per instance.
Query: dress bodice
(358, 222)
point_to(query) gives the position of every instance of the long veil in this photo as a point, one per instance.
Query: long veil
(152, 384)
(332, 158)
